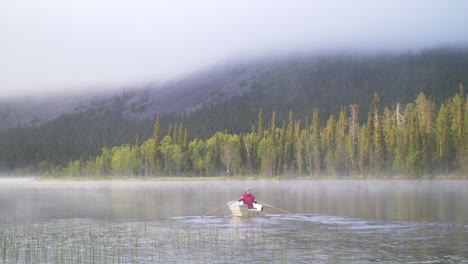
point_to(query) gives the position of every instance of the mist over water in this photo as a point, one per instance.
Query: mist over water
(53, 50)
(334, 221)
(405, 200)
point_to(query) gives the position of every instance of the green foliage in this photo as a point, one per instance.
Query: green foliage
(419, 145)
(276, 147)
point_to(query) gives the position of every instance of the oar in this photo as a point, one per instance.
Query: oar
(219, 208)
(274, 207)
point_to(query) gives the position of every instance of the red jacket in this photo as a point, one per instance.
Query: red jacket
(248, 199)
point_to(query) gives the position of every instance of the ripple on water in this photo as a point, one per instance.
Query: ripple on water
(302, 238)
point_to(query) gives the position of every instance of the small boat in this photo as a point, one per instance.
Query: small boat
(242, 210)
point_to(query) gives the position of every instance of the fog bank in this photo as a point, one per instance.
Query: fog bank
(56, 46)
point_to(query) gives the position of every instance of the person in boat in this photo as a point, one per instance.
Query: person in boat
(248, 198)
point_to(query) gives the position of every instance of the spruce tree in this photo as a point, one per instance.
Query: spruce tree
(329, 146)
(379, 145)
(261, 124)
(156, 153)
(137, 140)
(443, 138)
(341, 128)
(390, 136)
(315, 130)
(458, 124)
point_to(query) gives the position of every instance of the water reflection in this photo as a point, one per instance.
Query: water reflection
(158, 222)
(439, 200)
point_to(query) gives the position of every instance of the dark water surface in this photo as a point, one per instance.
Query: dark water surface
(348, 221)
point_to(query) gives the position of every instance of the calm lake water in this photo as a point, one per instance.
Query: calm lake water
(347, 221)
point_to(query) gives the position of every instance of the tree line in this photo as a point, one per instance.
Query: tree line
(417, 139)
(296, 83)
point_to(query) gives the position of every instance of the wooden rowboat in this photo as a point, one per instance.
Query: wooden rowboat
(242, 210)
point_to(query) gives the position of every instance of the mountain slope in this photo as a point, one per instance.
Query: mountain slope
(301, 84)
(229, 97)
(182, 96)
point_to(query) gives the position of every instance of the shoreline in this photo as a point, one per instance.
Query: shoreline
(248, 178)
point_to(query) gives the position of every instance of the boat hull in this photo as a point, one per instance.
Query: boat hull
(241, 210)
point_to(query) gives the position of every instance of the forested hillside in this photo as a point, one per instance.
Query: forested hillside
(416, 139)
(297, 83)
(301, 84)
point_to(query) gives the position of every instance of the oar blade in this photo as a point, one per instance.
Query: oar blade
(274, 207)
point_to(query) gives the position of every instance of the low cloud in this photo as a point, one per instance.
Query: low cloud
(60, 46)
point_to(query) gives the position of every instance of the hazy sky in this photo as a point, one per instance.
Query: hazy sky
(63, 45)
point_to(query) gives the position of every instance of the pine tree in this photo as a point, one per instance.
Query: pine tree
(261, 124)
(243, 156)
(329, 147)
(350, 155)
(376, 103)
(315, 133)
(156, 153)
(425, 110)
(458, 125)
(268, 155)
(443, 137)
(352, 139)
(185, 142)
(379, 147)
(137, 140)
(399, 117)
(390, 136)
(341, 128)
(273, 122)
(366, 146)
(464, 167)
(281, 149)
(426, 114)
(414, 158)
(252, 150)
(180, 136)
(271, 146)
(363, 146)
(298, 148)
(403, 148)
(299, 153)
(354, 122)
(289, 148)
(169, 131)
(175, 132)
(227, 157)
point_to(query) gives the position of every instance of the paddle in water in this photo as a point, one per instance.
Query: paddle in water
(219, 208)
(274, 207)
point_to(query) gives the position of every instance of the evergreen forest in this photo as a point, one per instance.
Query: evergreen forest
(320, 116)
(417, 139)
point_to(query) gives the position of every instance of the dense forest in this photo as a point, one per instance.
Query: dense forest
(328, 82)
(299, 84)
(414, 140)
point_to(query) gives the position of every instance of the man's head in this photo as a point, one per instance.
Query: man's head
(247, 190)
